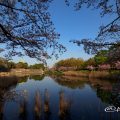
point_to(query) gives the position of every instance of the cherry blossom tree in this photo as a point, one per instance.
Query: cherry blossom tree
(90, 67)
(117, 65)
(109, 34)
(26, 29)
(104, 67)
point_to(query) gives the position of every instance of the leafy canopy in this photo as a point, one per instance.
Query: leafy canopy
(70, 62)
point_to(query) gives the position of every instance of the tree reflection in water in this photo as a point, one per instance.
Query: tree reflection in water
(107, 91)
(38, 105)
(47, 111)
(115, 96)
(64, 106)
(110, 96)
(23, 106)
(5, 85)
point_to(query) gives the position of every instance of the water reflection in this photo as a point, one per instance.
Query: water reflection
(64, 106)
(58, 98)
(116, 94)
(68, 82)
(37, 77)
(38, 104)
(23, 108)
(1, 110)
(5, 85)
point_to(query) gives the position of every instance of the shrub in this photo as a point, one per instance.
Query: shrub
(90, 67)
(117, 65)
(104, 67)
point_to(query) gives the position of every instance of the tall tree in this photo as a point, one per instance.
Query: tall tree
(26, 25)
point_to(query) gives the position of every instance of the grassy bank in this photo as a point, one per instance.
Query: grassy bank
(22, 72)
(94, 74)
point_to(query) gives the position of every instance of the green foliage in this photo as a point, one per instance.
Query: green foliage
(88, 62)
(101, 57)
(37, 77)
(21, 65)
(56, 73)
(11, 65)
(37, 66)
(4, 65)
(71, 62)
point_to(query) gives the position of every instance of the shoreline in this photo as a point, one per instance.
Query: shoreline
(22, 72)
(93, 74)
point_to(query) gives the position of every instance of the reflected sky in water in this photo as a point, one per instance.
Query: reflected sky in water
(46, 98)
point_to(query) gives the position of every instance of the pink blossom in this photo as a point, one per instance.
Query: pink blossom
(90, 67)
(117, 65)
(104, 67)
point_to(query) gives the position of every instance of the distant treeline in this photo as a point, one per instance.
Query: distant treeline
(6, 65)
(99, 62)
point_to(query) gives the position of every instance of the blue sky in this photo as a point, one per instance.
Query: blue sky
(72, 25)
(75, 25)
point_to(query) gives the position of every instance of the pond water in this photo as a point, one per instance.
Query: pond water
(50, 98)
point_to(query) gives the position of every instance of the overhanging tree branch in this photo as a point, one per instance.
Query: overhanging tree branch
(28, 28)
